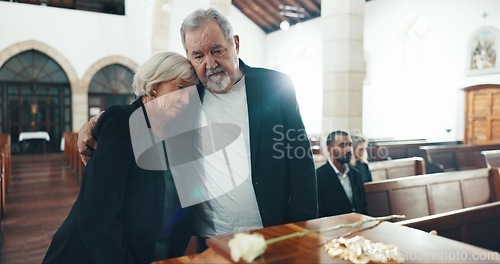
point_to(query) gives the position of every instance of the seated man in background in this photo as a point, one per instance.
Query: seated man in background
(340, 187)
(360, 160)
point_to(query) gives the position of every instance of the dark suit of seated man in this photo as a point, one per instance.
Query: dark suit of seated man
(340, 186)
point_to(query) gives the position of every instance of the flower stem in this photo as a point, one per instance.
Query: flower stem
(355, 224)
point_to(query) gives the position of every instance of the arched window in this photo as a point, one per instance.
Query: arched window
(112, 85)
(35, 95)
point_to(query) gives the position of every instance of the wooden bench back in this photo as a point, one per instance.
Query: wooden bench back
(477, 225)
(402, 149)
(372, 143)
(5, 155)
(491, 158)
(71, 153)
(390, 169)
(453, 158)
(429, 194)
(385, 150)
(2, 185)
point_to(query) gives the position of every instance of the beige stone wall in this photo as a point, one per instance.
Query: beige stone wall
(161, 27)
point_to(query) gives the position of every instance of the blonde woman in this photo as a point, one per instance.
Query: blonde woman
(360, 158)
(123, 213)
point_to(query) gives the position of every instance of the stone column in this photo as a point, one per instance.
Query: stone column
(161, 26)
(223, 5)
(343, 65)
(79, 104)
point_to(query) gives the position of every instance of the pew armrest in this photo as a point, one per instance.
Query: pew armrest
(434, 167)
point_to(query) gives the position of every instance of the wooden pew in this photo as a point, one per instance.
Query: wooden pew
(2, 185)
(403, 149)
(389, 140)
(2, 194)
(390, 169)
(376, 154)
(491, 158)
(71, 153)
(476, 225)
(5, 156)
(5, 148)
(454, 158)
(429, 194)
(67, 146)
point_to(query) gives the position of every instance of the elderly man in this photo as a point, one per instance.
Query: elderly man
(281, 187)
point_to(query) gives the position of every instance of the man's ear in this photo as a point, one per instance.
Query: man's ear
(237, 43)
(328, 148)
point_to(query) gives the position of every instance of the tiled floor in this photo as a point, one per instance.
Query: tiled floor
(41, 193)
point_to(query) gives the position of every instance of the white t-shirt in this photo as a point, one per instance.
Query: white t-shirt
(236, 210)
(344, 180)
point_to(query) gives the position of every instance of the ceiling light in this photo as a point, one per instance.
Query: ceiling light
(293, 8)
(292, 11)
(284, 25)
(290, 14)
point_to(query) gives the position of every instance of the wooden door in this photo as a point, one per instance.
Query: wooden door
(482, 124)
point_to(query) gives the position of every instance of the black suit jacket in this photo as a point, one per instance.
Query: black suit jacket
(331, 195)
(364, 171)
(283, 172)
(119, 213)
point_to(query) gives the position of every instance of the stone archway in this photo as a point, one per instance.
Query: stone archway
(97, 99)
(98, 65)
(74, 81)
(35, 91)
(19, 47)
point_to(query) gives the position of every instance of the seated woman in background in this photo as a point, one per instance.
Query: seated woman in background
(360, 158)
(124, 213)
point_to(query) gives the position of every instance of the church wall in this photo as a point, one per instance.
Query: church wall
(417, 55)
(413, 82)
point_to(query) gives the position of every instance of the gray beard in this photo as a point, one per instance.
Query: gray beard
(218, 82)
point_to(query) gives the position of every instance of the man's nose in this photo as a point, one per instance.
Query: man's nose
(210, 63)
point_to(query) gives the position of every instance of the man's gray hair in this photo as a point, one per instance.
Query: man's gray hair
(199, 17)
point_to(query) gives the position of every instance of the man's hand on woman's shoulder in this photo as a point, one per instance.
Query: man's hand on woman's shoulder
(86, 143)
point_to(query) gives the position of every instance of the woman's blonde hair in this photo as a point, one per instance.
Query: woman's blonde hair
(356, 140)
(163, 67)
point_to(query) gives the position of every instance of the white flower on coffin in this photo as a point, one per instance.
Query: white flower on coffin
(250, 246)
(247, 246)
